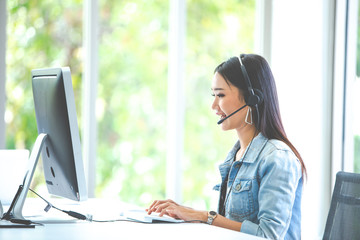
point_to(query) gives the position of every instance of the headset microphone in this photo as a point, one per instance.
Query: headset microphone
(222, 120)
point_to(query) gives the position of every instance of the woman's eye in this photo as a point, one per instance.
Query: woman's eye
(220, 95)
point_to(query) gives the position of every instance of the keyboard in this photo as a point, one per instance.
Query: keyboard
(143, 216)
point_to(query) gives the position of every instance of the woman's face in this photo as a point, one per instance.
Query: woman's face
(227, 99)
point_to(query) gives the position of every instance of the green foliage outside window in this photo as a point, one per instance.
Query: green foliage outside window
(132, 130)
(132, 93)
(357, 153)
(131, 104)
(216, 31)
(40, 34)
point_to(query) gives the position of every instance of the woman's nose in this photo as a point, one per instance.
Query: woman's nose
(214, 104)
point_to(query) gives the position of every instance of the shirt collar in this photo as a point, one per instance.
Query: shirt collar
(252, 152)
(251, 155)
(255, 148)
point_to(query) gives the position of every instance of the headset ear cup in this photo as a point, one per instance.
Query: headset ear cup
(255, 99)
(260, 95)
(252, 100)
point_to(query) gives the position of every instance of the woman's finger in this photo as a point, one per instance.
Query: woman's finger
(155, 205)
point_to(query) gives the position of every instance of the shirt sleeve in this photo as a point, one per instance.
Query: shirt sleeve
(279, 175)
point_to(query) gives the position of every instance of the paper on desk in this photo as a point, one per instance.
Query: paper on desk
(13, 165)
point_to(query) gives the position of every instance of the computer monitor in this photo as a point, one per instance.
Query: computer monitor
(56, 116)
(58, 139)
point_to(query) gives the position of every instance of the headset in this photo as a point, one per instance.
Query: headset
(256, 97)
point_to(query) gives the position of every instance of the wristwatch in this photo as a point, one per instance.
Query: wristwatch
(211, 216)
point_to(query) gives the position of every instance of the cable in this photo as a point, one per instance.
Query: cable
(70, 213)
(24, 221)
(90, 219)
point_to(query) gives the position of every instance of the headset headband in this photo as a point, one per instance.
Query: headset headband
(254, 98)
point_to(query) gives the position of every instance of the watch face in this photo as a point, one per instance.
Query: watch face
(211, 216)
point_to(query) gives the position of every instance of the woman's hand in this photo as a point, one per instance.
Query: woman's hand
(154, 207)
(172, 209)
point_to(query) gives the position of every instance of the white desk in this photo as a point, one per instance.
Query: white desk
(122, 230)
(119, 230)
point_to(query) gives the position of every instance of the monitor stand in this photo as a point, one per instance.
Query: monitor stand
(16, 207)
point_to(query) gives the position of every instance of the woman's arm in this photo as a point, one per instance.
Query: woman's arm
(172, 209)
(279, 175)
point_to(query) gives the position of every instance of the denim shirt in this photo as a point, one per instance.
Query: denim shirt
(264, 191)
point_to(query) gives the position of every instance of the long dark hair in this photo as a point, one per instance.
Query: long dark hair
(261, 77)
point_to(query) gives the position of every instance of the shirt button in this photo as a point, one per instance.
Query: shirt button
(238, 187)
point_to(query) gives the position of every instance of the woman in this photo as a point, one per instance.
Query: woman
(262, 176)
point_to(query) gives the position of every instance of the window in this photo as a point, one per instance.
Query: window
(41, 34)
(131, 105)
(132, 93)
(351, 127)
(215, 32)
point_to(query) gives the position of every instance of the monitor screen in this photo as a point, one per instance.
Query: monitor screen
(56, 116)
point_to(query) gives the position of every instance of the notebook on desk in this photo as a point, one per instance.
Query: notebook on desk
(144, 217)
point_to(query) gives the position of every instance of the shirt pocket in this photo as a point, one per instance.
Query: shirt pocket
(240, 204)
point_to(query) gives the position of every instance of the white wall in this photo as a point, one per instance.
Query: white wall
(302, 65)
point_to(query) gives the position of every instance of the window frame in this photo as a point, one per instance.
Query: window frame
(344, 70)
(89, 88)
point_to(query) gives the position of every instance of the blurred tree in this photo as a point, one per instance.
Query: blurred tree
(357, 153)
(132, 93)
(40, 34)
(131, 104)
(217, 30)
